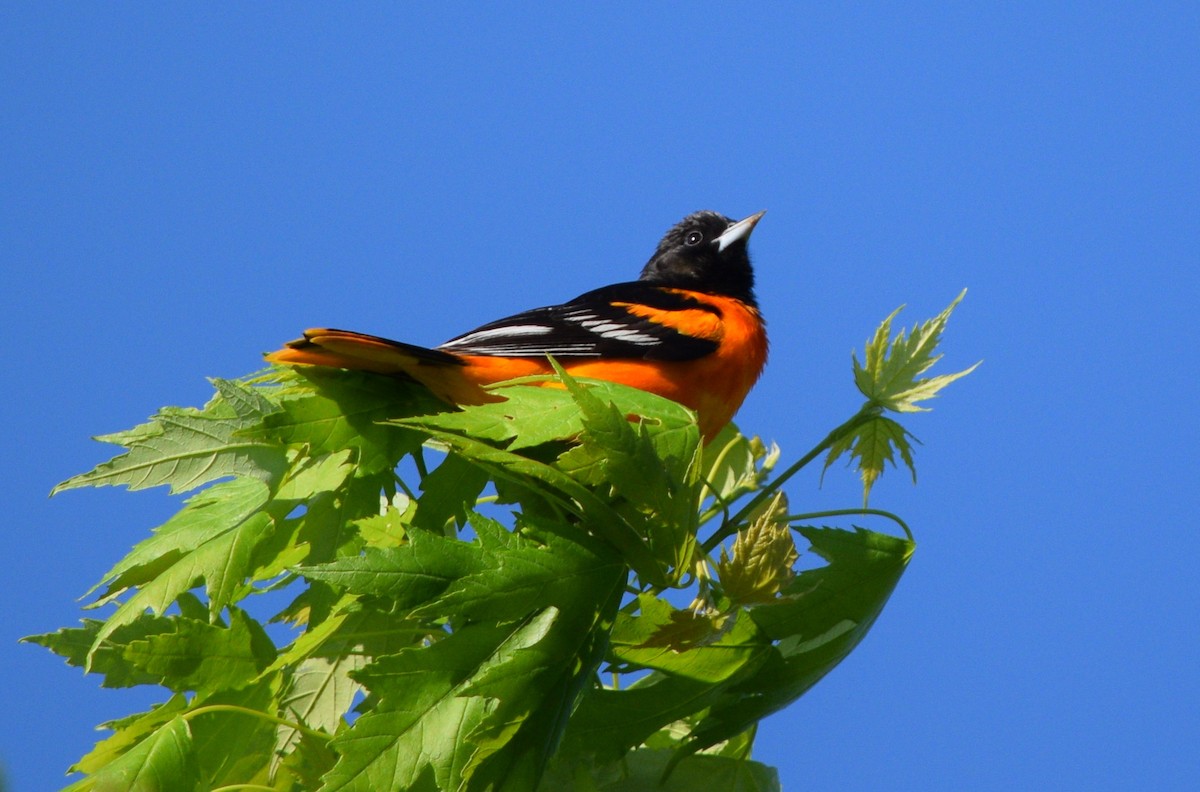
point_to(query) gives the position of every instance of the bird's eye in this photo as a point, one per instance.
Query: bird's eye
(693, 238)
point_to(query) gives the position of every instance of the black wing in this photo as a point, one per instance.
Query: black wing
(634, 320)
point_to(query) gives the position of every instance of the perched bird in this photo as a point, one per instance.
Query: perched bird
(688, 329)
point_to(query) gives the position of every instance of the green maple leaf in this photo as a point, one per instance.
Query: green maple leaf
(233, 744)
(128, 732)
(329, 411)
(475, 652)
(318, 695)
(417, 732)
(822, 616)
(657, 473)
(708, 649)
(559, 487)
(447, 492)
(75, 643)
(328, 525)
(643, 770)
(408, 575)
(386, 530)
(164, 760)
(205, 516)
(212, 539)
(186, 448)
(608, 721)
(196, 655)
(489, 701)
(515, 576)
(529, 416)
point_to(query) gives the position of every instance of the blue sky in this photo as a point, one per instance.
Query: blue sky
(183, 188)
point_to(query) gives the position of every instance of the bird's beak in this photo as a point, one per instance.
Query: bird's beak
(739, 230)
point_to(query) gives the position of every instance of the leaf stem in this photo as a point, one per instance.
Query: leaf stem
(730, 526)
(210, 708)
(717, 499)
(404, 486)
(850, 513)
(720, 504)
(419, 460)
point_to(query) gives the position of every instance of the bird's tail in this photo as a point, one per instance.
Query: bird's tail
(441, 372)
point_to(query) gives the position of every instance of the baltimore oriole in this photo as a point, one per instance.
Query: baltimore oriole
(687, 329)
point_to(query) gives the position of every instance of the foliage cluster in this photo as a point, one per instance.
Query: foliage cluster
(511, 622)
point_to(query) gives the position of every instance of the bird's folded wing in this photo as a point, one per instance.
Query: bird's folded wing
(633, 320)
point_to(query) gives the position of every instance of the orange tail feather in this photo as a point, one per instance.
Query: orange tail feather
(439, 371)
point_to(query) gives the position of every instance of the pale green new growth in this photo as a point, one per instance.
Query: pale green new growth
(762, 558)
(451, 631)
(891, 380)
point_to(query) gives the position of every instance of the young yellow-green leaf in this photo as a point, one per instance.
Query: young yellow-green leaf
(533, 415)
(890, 378)
(309, 475)
(306, 763)
(321, 692)
(762, 560)
(618, 419)
(163, 761)
(389, 529)
(667, 416)
(529, 416)
(863, 567)
(187, 448)
(327, 526)
(248, 402)
(348, 627)
(871, 445)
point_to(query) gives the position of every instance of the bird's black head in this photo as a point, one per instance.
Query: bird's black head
(706, 252)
